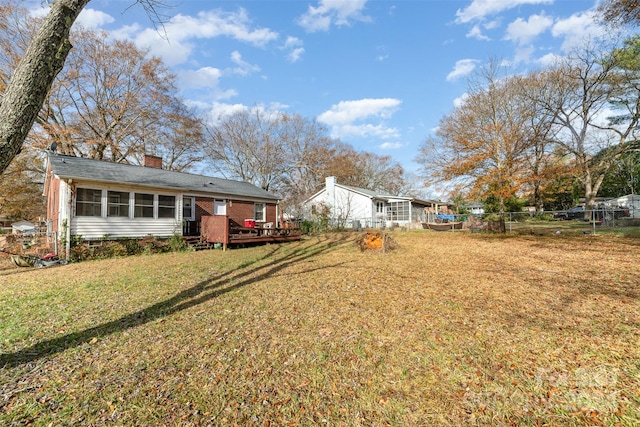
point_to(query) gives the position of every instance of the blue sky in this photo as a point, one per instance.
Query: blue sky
(379, 74)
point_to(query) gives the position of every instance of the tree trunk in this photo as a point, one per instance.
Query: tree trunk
(32, 79)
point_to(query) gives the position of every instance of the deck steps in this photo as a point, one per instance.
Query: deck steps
(196, 243)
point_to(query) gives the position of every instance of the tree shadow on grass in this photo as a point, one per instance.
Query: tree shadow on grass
(202, 292)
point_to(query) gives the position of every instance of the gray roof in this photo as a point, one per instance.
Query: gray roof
(370, 193)
(385, 196)
(109, 172)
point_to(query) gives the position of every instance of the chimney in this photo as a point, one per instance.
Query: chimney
(150, 161)
(330, 185)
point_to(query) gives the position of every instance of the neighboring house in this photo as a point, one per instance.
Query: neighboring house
(476, 208)
(23, 227)
(630, 201)
(359, 207)
(96, 199)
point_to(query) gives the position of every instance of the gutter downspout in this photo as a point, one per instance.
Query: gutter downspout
(67, 243)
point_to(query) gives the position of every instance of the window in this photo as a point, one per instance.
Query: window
(143, 206)
(166, 206)
(380, 207)
(259, 212)
(88, 202)
(117, 203)
(219, 207)
(188, 208)
(400, 211)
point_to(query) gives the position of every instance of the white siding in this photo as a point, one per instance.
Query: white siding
(94, 227)
(352, 205)
(97, 227)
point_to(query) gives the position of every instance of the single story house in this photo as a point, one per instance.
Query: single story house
(476, 208)
(630, 201)
(95, 199)
(358, 207)
(24, 227)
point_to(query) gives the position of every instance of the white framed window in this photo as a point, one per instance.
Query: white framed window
(88, 202)
(380, 207)
(166, 206)
(143, 207)
(400, 210)
(118, 203)
(219, 207)
(189, 208)
(259, 212)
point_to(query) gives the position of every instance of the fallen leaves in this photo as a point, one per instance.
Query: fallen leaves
(449, 328)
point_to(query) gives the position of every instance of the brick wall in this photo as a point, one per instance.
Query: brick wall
(241, 210)
(204, 206)
(237, 210)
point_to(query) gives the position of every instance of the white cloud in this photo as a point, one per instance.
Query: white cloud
(523, 32)
(206, 77)
(174, 44)
(577, 29)
(218, 110)
(391, 145)
(479, 9)
(205, 83)
(461, 100)
(91, 18)
(295, 54)
(345, 118)
(522, 54)
(88, 18)
(462, 68)
(126, 32)
(332, 12)
(549, 60)
(383, 55)
(476, 33)
(292, 42)
(243, 67)
(293, 46)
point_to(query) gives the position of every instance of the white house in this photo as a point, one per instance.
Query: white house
(23, 227)
(630, 201)
(358, 207)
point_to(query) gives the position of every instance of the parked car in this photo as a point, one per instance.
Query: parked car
(599, 213)
(576, 212)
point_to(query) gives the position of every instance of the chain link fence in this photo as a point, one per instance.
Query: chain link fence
(599, 218)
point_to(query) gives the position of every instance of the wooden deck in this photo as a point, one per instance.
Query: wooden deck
(221, 230)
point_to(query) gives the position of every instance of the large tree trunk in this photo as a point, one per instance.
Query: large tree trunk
(32, 79)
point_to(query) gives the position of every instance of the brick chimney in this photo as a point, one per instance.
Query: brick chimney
(150, 161)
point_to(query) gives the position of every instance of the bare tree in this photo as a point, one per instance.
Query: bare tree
(250, 145)
(581, 91)
(291, 155)
(620, 11)
(114, 102)
(29, 85)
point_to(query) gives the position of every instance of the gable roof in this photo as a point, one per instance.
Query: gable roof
(380, 196)
(369, 193)
(100, 171)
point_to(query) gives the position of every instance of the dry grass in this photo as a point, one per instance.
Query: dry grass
(448, 329)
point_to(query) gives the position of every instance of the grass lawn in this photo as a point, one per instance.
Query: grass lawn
(448, 329)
